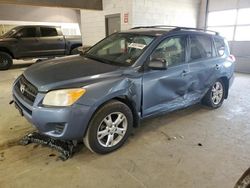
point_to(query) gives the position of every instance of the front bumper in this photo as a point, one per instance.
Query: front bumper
(65, 123)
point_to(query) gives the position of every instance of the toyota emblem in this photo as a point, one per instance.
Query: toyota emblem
(22, 88)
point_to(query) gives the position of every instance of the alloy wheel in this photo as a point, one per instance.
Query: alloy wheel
(217, 93)
(112, 129)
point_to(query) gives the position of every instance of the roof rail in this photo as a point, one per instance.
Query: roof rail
(155, 26)
(195, 29)
(177, 28)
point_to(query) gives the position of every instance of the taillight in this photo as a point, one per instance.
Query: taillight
(231, 58)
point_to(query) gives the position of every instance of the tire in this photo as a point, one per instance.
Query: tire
(215, 95)
(74, 51)
(5, 61)
(39, 61)
(101, 124)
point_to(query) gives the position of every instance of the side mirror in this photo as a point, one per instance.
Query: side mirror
(158, 64)
(18, 35)
(83, 49)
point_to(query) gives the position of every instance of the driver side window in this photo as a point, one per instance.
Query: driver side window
(172, 50)
(27, 32)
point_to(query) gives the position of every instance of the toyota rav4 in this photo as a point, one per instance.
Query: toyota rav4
(102, 94)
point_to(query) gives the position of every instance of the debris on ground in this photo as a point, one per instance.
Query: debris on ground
(199, 144)
(171, 137)
(65, 148)
(35, 146)
(244, 181)
(52, 155)
(2, 158)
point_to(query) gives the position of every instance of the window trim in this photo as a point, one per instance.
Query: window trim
(37, 34)
(216, 50)
(165, 38)
(40, 32)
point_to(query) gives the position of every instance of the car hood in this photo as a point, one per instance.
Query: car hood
(3, 39)
(72, 71)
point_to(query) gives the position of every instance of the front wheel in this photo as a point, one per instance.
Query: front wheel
(215, 95)
(74, 51)
(109, 128)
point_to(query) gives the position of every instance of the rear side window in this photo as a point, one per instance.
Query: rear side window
(201, 47)
(220, 46)
(48, 32)
(27, 32)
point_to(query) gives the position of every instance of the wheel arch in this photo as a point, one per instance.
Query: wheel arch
(131, 104)
(124, 99)
(6, 50)
(225, 81)
(75, 45)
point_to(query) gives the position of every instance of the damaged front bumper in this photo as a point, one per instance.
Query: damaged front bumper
(65, 123)
(67, 149)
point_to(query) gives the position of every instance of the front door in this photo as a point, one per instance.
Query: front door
(51, 42)
(167, 90)
(26, 44)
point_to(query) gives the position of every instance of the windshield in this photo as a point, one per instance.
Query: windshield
(120, 48)
(9, 33)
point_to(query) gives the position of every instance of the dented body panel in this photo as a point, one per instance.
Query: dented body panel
(147, 92)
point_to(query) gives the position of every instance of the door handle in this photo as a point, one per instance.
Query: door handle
(60, 39)
(217, 67)
(184, 73)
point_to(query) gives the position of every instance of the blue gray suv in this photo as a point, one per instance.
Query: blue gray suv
(102, 94)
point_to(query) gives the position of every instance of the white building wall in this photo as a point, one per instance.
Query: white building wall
(141, 12)
(13, 15)
(166, 12)
(202, 14)
(93, 22)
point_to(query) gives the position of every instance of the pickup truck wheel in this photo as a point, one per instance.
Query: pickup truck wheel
(74, 51)
(215, 95)
(5, 61)
(109, 128)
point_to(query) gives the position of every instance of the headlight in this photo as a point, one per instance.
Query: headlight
(64, 97)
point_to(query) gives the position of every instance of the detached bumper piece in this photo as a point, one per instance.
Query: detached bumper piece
(65, 148)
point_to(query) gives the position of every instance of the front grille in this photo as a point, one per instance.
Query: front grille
(19, 104)
(26, 90)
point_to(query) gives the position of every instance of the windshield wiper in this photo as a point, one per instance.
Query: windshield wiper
(99, 59)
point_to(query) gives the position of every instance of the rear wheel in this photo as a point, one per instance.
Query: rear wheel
(74, 51)
(109, 128)
(215, 95)
(5, 61)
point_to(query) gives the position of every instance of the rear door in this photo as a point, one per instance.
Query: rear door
(51, 41)
(167, 90)
(26, 44)
(202, 64)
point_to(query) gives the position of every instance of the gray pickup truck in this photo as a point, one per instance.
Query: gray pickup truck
(35, 41)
